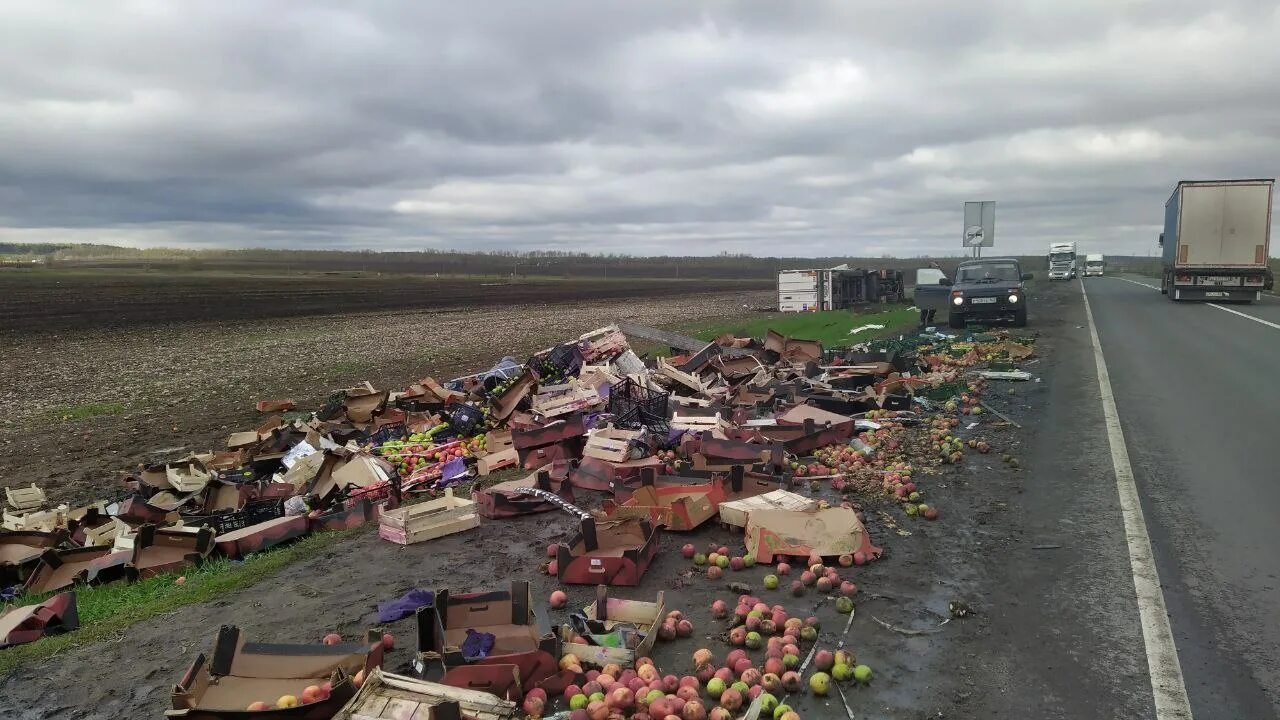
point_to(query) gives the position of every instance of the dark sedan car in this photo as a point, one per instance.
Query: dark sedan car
(988, 291)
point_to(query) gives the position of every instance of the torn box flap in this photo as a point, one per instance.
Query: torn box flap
(360, 471)
(798, 414)
(363, 402)
(269, 426)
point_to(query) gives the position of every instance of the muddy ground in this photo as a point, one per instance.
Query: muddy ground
(163, 389)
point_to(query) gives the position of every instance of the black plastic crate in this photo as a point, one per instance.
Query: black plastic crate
(396, 431)
(251, 514)
(629, 395)
(558, 363)
(465, 420)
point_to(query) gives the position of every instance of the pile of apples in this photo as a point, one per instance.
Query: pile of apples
(646, 694)
(717, 559)
(310, 694)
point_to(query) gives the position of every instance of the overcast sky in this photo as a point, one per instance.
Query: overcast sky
(770, 128)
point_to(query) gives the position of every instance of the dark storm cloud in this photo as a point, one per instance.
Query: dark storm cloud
(657, 127)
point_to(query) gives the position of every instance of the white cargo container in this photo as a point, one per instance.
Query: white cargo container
(1216, 239)
(804, 290)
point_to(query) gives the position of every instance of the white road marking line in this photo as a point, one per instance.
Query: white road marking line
(1135, 282)
(1244, 315)
(1268, 323)
(1167, 686)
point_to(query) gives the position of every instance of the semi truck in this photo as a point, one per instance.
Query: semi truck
(1094, 265)
(1216, 240)
(1062, 261)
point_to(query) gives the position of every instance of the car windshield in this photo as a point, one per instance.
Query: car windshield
(989, 272)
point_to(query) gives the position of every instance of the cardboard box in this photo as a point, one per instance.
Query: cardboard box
(385, 696)
(645, 616)
(263, 535)
(29, 623)
(735, 512)
(488, 464)
(605, 476)
(61, 569)
(506, 403)
(522, 654)
(156, 552)
(236, 673)
(363, 402)
(506, 500)
(428, 520)
(21, 549)
(607, 553)
(828, 532)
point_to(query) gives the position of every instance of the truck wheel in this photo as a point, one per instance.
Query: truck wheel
(955, 321)
(1164, 284)
(1020, 317)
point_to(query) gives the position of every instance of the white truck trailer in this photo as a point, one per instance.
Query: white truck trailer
(1216, 240)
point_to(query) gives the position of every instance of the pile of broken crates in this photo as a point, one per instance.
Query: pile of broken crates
(709, 433)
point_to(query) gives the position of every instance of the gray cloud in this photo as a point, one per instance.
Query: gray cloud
(817, 128)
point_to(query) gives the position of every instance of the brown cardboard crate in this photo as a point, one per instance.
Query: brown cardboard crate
(735, 512)
(644, 615)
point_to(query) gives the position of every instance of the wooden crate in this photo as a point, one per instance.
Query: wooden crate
(644, 615)
(735, 512)
(25, 499)
(610, 444)
(429, 520)
(385, 696)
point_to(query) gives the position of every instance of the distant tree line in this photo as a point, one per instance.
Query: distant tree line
(492, 263)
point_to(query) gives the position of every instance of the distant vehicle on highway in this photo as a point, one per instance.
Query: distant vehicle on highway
(1094, 265)
(988, 290)
(1216, 240)
(1062, 261)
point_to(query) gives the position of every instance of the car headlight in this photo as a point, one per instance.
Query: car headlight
(957, 300)
(1013, 298)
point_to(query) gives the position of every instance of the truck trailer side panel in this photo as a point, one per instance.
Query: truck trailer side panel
(1223, 226)
(1217, 239)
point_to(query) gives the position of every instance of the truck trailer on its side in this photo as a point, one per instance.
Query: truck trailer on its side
(1216, 240)
(1094, 265)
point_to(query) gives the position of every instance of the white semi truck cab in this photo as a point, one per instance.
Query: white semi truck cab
(1062, 261)
(1094, 265)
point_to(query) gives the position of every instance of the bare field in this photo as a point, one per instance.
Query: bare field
(88, 299)
(80, 406)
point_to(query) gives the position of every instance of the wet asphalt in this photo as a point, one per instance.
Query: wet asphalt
(1198, 393)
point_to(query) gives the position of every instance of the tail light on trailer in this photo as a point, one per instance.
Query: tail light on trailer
(1183, 279)
(1255, 280)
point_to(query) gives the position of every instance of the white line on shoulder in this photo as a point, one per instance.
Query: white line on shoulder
(1167, 686)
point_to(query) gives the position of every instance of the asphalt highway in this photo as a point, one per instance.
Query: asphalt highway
(1197, 390)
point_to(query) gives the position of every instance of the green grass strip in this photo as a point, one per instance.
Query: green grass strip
(105, 611)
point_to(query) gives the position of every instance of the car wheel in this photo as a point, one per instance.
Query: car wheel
(955, 321)
(1020, 317)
